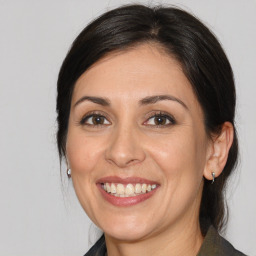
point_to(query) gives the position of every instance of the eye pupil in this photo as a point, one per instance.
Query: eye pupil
(98, 120)
(160, 120)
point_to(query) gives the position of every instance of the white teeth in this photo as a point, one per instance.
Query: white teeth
(137, 188)
(108, 188)
(144, 188)
(120, 189)
(113, 188)
(129, 190)
(153, 186)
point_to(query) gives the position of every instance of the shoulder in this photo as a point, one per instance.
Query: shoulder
(214, 244)
(98, 249)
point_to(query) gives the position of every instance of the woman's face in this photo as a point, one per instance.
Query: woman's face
(136, 130)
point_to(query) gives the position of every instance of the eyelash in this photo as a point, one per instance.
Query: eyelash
(158, 114)
(90, 115)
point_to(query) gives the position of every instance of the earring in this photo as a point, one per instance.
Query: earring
(213, 177)
(69, 173)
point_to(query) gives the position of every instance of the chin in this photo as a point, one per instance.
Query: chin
(127, 232)
(124, 227)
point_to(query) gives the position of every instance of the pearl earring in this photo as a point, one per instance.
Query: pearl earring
(69, 173)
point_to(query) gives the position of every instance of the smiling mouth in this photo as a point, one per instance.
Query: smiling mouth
(128, 190)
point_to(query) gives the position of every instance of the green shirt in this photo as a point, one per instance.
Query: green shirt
(213, 245)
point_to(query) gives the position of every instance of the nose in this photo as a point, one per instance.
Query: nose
(125, 148)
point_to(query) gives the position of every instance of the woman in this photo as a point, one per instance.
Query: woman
(146, 104)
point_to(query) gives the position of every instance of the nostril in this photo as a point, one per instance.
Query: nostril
(132, 161)
(123, 162)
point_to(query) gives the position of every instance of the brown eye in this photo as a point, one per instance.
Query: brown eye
(95, 120)
(160, 120)
(98, 120)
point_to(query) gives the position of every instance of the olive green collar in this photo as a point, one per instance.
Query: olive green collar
(215, 245)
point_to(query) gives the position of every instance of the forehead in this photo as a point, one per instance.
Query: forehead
(139, 72)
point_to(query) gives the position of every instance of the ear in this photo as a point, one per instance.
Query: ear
(218, 151)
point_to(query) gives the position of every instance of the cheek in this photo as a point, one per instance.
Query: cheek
(175, 152)
(180, 158)
(181, 165)
(83, 152)
(84, 155)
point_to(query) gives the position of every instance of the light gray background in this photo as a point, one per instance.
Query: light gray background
(36, 216)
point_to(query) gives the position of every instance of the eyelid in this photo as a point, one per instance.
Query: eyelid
(148, 116)
(91, 114)
(160, 114)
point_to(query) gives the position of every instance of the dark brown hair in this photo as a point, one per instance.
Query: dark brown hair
(203, 62)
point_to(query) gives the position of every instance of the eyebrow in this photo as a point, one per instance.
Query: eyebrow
(154, 99)
(145, 101)
(97, 100)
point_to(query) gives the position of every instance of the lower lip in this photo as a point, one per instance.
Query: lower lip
(125, 201)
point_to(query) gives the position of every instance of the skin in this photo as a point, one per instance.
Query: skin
(176, 155)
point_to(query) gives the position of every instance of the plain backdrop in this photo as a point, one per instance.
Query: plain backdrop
(38, 215)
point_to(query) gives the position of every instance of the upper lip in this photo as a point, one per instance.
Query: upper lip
(126, 180)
